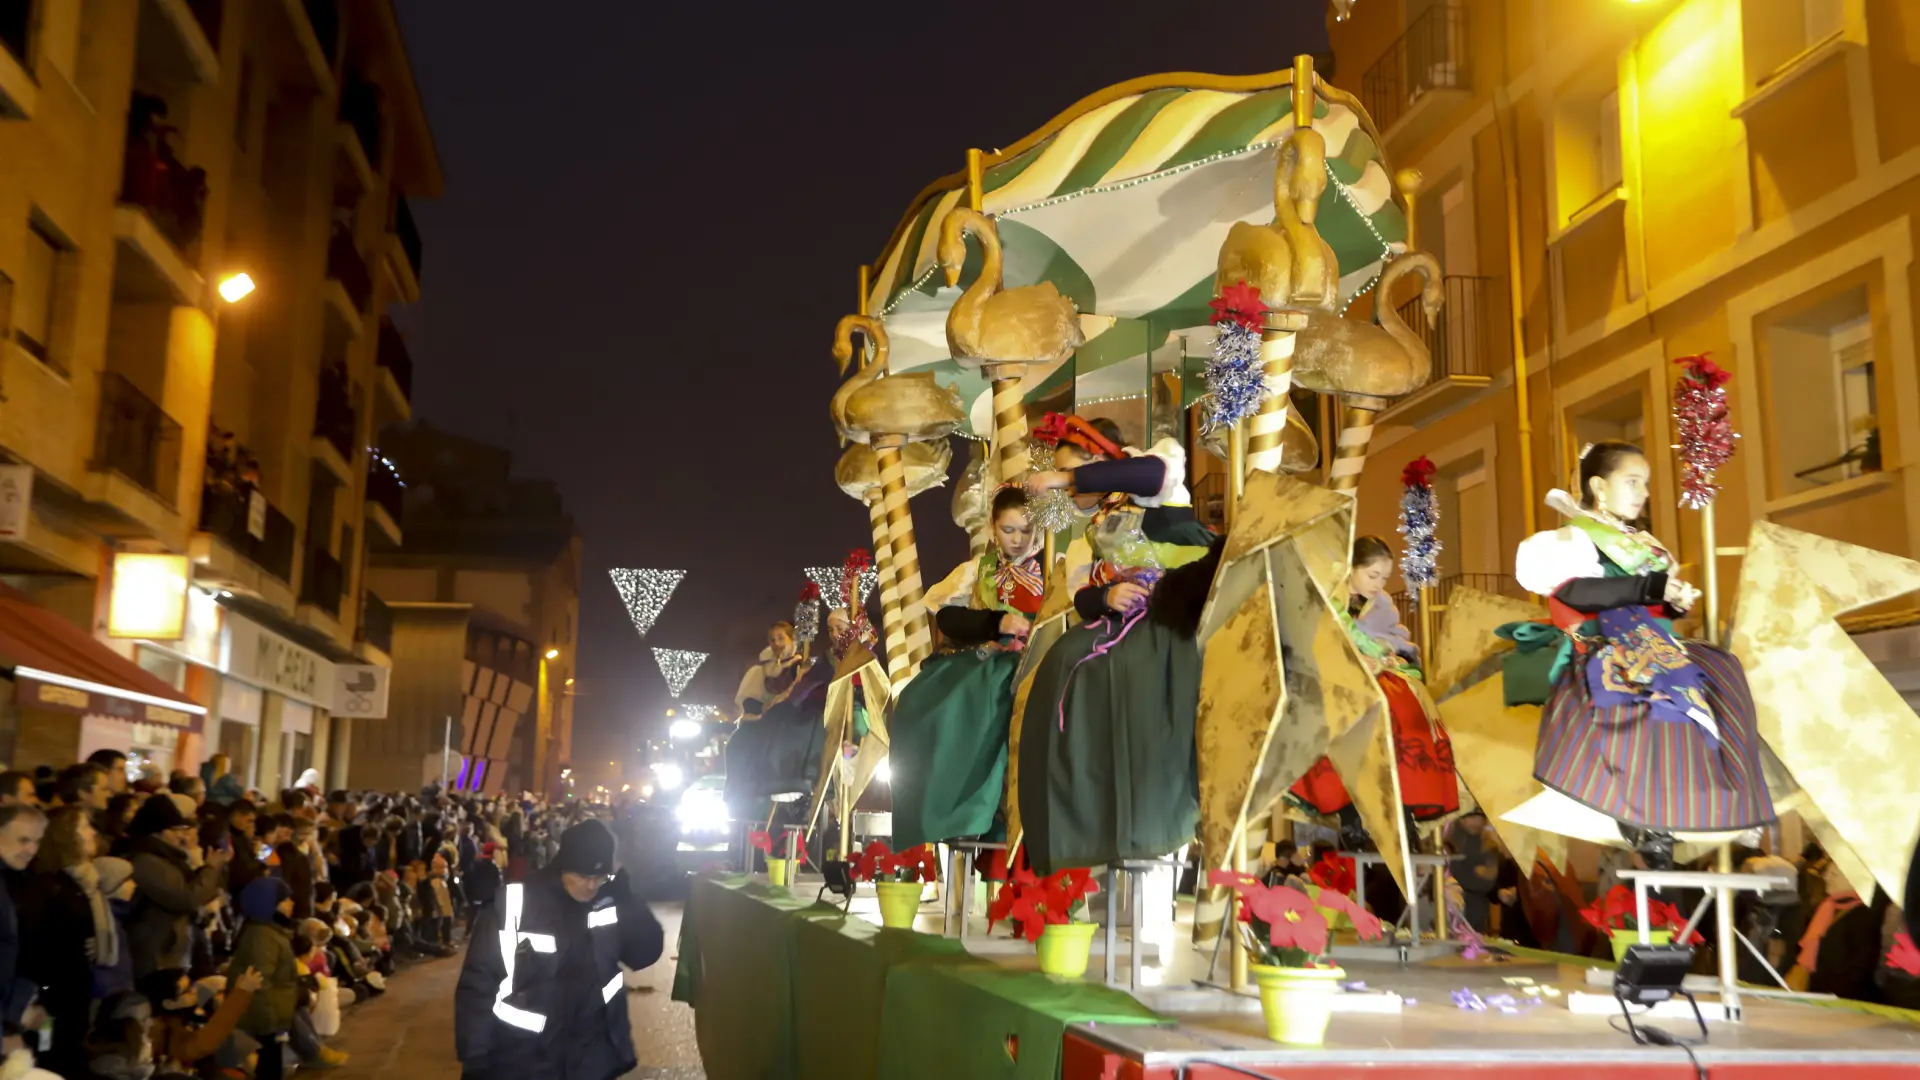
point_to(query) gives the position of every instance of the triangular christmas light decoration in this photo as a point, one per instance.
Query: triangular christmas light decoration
(646, 592)
(833, 588)
(677, 667)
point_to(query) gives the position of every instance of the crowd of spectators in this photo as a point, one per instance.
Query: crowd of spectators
(188, 926)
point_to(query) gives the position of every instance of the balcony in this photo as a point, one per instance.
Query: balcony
(395, 366)
(180, 40)
(161, 212)
(249, 525)
(334, 423)
(1468, 341)
(321, 588)
(349, 285)
(404, 251)
(1422, 78)
(18, 90)
(376, 623)
(137, 441)
(315, 25)
(360, 111)
(386, 497)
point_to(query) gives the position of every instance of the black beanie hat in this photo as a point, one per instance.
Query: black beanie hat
(155, 816)
(587, 848)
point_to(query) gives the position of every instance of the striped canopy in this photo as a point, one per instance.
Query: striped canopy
(1123, 203)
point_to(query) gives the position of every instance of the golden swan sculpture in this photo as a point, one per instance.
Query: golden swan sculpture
(991, 324)
(1378, 359)
(866, 407)
(1287, 261)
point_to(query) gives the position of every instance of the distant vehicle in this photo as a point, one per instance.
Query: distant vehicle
(704, 821)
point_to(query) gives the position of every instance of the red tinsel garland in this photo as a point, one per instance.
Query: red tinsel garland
(1706, 436)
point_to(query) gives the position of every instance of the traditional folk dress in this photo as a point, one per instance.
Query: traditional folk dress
(949, 727)
(1107, 762)
(1429, 789)
(1654, 732)
(779, 754)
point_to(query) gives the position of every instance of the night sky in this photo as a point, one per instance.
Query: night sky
(654, 215)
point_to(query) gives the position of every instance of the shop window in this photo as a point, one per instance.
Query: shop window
(1822, 377)
(170, 670)
(236, 741)
(1586, 143)
(1775, 33)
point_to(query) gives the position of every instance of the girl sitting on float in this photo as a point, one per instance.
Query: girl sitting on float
(1429, 789)
(1107, 762)
(1653, 732)
(949, 726)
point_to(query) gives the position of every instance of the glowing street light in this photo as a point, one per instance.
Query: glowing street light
(684, 729)
(235, 288)
(553, 654)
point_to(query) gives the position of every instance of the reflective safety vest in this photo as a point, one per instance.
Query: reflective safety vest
(604, 914)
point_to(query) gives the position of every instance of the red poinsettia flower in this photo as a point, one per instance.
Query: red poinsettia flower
(1036, 904)
(809, 592)
(1333, 872)
(1704, 371)
(1612, 911)
(1664, 916)
(1419, 472)
(1050, 430)
(1238, 303)
(867, 862)
(1903, 956)
(1365, 923)
(760, 840)
(1293, 920)
(859, 559)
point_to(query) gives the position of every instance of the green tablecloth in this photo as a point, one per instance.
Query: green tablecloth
(785, 989)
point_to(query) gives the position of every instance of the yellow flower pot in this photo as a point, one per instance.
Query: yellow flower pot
(777, 872)
(1623, 938)
(899, 903)
(1297, 1002)
(1064, 948)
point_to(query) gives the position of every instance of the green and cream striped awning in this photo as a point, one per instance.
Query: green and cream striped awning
(1123, 204)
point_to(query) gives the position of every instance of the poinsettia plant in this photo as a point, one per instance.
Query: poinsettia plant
(762, 841)
(1036, 903)
(1333, 872)
(876, 863)
(1615, 911)
(1288, 928)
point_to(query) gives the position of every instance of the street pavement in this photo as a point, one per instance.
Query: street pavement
(408, 1031)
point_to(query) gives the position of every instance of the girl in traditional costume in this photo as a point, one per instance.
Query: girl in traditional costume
(1429, 789)
(1107, 762)
(1651, 731)
(949, 727)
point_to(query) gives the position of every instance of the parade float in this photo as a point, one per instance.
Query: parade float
(1214, 261)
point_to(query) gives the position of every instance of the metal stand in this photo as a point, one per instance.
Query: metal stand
(1719, 888)
(1421, 865)
(793, 851)
(965, 861)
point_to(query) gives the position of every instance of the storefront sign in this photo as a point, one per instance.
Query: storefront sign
(267, 660)
(149, 597)
(16, 500)
(42, 690)
(360, 690)
(256, 515)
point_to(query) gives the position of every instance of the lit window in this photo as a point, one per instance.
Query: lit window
(1586, 142)
(1821, 372)
(1774, 33)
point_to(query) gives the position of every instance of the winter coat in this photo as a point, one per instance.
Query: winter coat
(16, 991)
(54, 955)
(296, 869)
(565, 1015)
(246, 866)
(267, 947)
(169, 894)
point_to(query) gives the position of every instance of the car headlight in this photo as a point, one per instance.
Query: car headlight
(702, 815)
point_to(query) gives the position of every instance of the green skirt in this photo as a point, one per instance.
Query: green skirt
(1107, 763)
(949, 746)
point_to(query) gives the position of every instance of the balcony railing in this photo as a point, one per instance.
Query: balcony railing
(136, 439)
(360, 108)
(409, 234)
(333, 415)
(393, 356)
(345, 265)
(324, 17)
(376, 622)
(1431, 55)
(154, 178)
(1498, 584)
(384, 488)
(225, 512)
(1469, 335)
(16, 25)
(324, 583)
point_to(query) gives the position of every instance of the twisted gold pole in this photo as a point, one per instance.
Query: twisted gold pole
(890, 628)
(1265, 428)
(1010, 457)
(906, 557)
(1356, 433)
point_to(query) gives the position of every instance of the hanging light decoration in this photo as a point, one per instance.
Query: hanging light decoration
(677, 667)
(832, 581)
(646, 592)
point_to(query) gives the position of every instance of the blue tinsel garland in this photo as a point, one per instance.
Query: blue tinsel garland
(1235, 379)
(1419, 519)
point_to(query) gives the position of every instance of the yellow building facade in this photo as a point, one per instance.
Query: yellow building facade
(1733, 177)
(151, 152)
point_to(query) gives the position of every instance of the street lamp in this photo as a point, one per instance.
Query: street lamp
(684, 729)
(553, 654)
(236, 287)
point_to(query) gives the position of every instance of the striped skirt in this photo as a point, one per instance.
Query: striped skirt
(1657, 774)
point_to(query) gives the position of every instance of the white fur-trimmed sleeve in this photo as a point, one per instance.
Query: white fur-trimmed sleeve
(1548, 560)
(1173, 487)
(954, 590)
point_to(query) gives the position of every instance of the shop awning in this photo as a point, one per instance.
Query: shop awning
(57, 665)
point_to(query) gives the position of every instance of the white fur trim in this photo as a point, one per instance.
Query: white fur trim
(1548, 560)
(1173, 488)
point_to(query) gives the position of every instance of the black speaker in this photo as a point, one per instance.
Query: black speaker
(1649, 975)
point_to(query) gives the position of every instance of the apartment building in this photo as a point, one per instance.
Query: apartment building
(203, 223)
(485, 596)
(1733, 177)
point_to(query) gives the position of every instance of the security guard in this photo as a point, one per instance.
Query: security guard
(542, 995)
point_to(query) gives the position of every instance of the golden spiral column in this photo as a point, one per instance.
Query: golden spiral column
(1356, 433)
(906, 557)
(1010, 456)
(892, 632)
(1266, 427)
